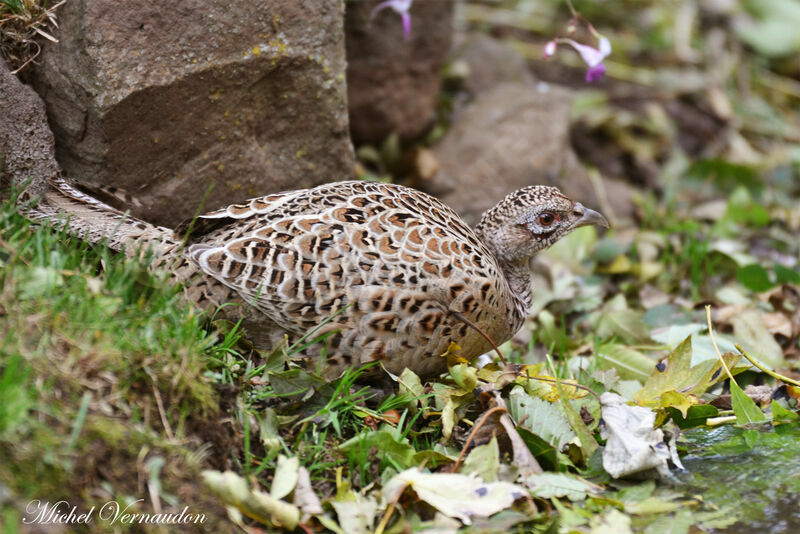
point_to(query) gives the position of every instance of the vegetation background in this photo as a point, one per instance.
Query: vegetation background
(112, 389)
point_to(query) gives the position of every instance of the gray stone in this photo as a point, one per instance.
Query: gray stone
(490, 62)
(165, 99)
(392, 83)
(26, 142)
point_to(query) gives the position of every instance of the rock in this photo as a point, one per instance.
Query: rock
(392, 83)
(514, 133)
(490, 62)
(165, 99)
(26, 142)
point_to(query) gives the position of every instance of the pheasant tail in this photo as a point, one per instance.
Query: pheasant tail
(83, 215)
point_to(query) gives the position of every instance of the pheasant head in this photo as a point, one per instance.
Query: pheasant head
(527, 221)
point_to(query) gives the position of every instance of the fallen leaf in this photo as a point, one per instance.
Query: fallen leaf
(778, 323)
(632, 444)
(744, 408)
(749, 329)
(611, 522)
(387, 440)
(356, 516)
(629, 363)
(696, 415)
(234, 491)
(285, 478)
(460, 496)
(304, 496)
(675, 374)
(483, 461)
(540, 417)
(549, 485)
(679, 401)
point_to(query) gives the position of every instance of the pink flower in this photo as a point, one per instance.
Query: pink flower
(595, 73)
(593, 57)
(400, 6)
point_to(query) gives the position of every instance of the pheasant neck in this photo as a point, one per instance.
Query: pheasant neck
(518, 276)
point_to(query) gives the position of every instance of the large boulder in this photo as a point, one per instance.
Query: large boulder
(513, 132)
(165, 99)
(393, 83)
(27, 155)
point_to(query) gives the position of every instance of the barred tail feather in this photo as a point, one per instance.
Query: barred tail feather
(84, 216)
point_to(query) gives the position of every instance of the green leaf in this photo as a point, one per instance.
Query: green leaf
(551, 334)
(779, 413)
(542, 418)
(726, 176)
(750, 330)
(628, 325)
(545, 454)
(398, 452)
(679, 401)
(483, 460)
(744, 408)
(773, 31)
(587, 442)
(675, 373)
(652, 506)
(754, 277)
(742, 209)
(464, 375)
(549, 485)
(696, 416)
(293, 382)
(630, 364)
(784, 275)
(679, 523)
(750, 437)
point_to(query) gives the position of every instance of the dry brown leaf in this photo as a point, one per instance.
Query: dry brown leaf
(778, 323)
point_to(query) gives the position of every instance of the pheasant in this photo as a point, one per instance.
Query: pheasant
(391, 274)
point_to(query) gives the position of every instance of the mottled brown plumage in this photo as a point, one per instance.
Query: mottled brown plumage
(396, 269)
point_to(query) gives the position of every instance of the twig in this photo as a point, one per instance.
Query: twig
(38, 51)
(770, 372)
(482, 333)
(714, 341)
(715, 421)
(523, 458)
(162, 413)
(565, 384)
(471, 437)
(389, 511)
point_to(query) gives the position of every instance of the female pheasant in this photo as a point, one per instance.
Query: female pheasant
(400, 274)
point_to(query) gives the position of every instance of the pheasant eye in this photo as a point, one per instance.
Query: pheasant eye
(546, 218)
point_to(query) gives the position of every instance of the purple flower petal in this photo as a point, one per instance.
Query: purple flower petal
(595, 73)
(550, 48)
(401, 7)
(591, 56)
(604, 46)
(381, 7)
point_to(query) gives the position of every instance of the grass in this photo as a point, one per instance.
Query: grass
(22, 24)
(102, 377)
(110, 383)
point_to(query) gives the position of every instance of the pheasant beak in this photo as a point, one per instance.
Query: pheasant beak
(587, 217)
